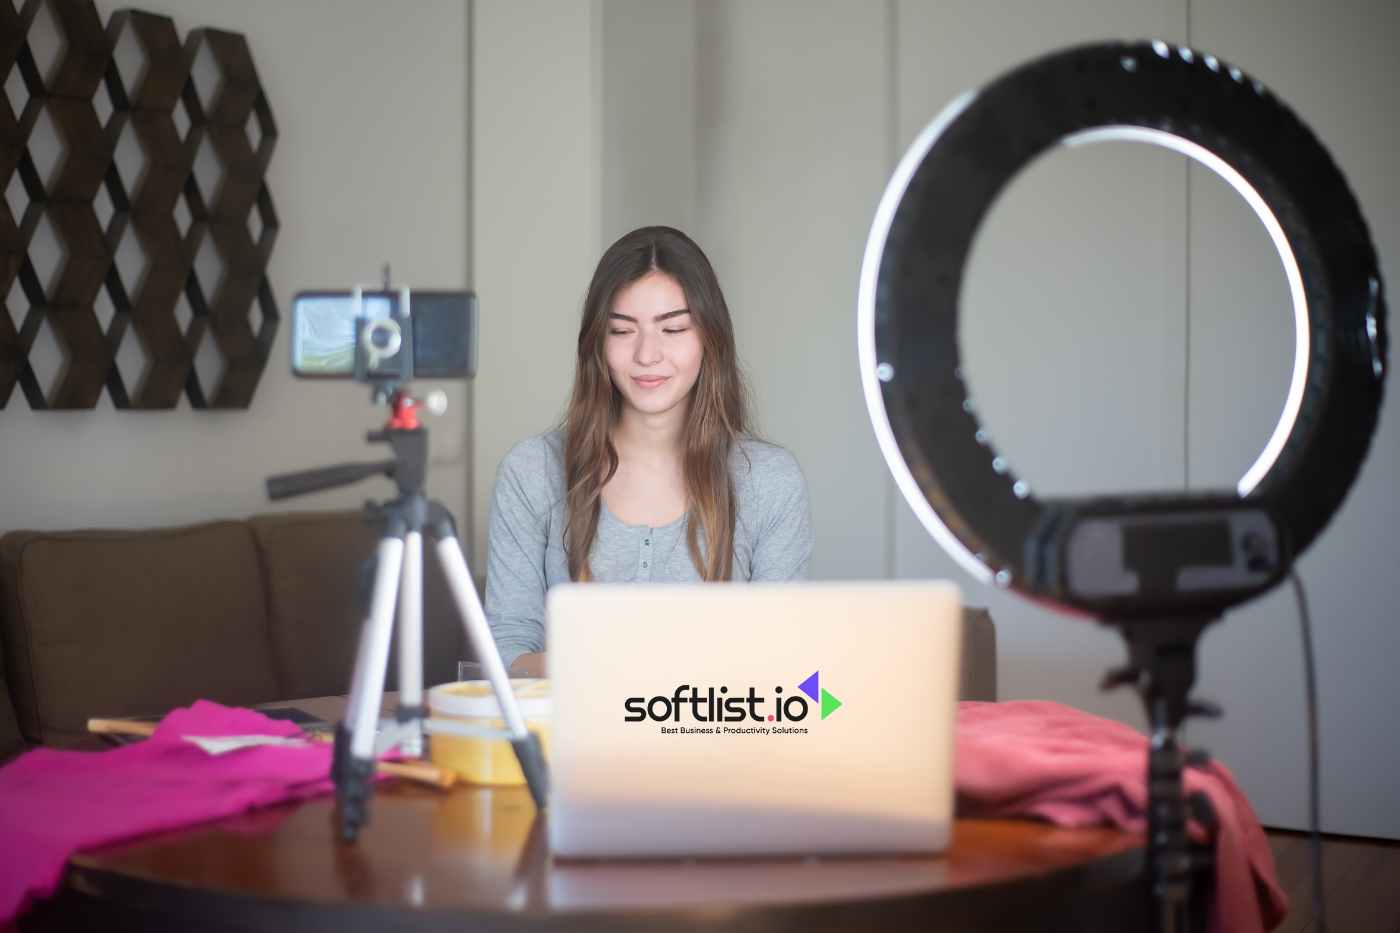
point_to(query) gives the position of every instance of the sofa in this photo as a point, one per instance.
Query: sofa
(127, 623)
(132, 623)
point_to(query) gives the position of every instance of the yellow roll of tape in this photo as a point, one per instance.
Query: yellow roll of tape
(479, 760)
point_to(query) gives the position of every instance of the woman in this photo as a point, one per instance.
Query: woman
(653, 476)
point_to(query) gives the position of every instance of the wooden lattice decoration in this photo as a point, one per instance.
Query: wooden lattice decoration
(137, 226)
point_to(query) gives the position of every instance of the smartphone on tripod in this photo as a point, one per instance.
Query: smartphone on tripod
(403, 334)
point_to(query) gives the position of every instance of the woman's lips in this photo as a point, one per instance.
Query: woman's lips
(649, 382)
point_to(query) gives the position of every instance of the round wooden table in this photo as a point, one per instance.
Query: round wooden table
(476, 858)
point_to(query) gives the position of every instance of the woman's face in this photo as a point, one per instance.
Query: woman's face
(652, 347)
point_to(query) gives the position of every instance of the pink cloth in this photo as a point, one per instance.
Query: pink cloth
(54, 803)
(1041, 759)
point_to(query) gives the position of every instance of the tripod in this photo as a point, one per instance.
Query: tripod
(398, 581)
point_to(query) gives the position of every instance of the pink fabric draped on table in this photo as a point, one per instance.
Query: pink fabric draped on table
(54, 803)
(1046, 760)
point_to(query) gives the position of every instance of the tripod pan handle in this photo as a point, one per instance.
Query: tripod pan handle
(286, 485)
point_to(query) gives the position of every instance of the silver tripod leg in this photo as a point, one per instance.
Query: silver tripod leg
(526, 744)
(411, 647)
(398, 579)
(372, 658)
(459, 580)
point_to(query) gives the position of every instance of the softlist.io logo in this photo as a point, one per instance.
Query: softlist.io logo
(813, 688)
(717, 712)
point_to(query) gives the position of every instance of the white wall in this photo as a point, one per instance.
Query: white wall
(648, 93)
(370, 165)
(791, 153)
(536, 216)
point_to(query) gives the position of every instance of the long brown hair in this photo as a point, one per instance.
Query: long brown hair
(718, 409)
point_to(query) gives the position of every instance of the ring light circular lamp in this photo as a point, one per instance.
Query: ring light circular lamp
(1120, 557)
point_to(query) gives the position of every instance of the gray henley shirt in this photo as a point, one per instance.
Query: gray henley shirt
(525, 548)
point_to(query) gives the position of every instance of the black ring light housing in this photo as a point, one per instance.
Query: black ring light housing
(1121, 557)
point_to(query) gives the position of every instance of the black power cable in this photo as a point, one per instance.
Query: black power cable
(1314, 802)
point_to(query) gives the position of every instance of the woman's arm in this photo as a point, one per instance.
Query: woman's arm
(783, 548)
(516, 541)
(530, 664)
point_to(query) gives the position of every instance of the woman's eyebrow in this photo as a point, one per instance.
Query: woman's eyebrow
(659, 318)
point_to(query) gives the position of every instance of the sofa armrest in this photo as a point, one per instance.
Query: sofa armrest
(978, 672)
(11, 743)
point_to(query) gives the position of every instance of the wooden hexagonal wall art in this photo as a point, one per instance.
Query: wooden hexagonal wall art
(11, 259)
(136, 225)
(226, 194)
(153, 257)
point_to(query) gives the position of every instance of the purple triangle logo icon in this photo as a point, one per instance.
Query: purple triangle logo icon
(811, 687)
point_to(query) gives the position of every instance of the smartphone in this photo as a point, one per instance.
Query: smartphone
(439, 343)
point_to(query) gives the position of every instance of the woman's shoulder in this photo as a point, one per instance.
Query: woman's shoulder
(765, 468)
(536, 460)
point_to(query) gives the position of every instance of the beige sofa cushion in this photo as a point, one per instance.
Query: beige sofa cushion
(124, 623)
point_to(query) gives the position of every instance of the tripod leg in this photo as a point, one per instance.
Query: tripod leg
(354, 752)
(411, 708)
(473, 615)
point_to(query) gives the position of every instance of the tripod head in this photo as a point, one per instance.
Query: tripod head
(403, 432)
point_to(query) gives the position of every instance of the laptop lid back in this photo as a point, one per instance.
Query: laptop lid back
(736, 719)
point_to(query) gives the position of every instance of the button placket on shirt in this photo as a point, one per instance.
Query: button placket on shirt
(646, 553)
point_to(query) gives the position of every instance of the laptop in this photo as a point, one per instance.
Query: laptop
(752, 719)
